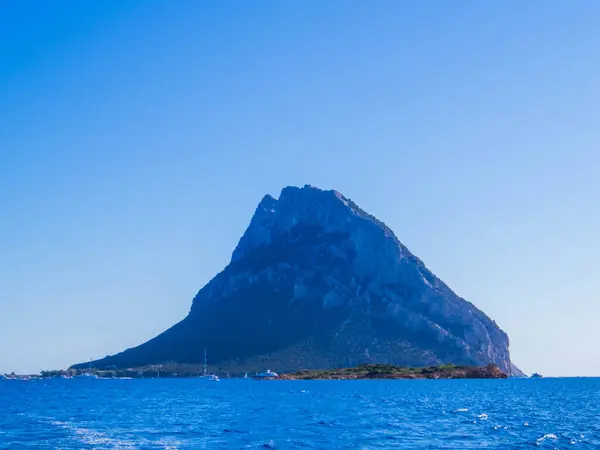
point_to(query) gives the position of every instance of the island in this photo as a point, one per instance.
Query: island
(390, 372)
(316, 282)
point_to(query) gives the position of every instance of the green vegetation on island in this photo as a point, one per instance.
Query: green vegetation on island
(390, 372)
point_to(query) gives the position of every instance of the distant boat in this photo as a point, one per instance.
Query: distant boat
(268, 375)
(206, 376)
(87, 375)
(246, 375)
(536, 375)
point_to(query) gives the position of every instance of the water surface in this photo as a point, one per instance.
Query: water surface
(236, 414)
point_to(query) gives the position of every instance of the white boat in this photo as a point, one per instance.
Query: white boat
(87, 375)
(268, 375)
(206, 376)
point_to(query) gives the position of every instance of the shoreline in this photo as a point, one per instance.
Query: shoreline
(361, 372)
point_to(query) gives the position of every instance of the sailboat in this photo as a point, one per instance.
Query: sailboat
(206, 376)
(89, 374)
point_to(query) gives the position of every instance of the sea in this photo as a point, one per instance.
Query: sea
(246, 414)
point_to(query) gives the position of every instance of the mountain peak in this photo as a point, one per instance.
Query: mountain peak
(307, 205)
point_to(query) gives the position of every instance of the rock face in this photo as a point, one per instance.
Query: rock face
(314, 283)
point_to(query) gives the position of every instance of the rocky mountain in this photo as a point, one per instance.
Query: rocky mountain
(315, 283)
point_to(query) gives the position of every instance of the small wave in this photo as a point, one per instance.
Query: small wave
(326, 423)
(483, 416)
(165, 444)
(547, 437)
(459, 410)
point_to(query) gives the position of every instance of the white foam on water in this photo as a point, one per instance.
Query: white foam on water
(166, 444)
(91, 437)
(548, 436)
(483, 416)
(87, 436)
(462, 410)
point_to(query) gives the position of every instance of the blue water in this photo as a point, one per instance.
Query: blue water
(407, 414)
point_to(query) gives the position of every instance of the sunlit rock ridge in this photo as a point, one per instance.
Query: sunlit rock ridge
(316, 282)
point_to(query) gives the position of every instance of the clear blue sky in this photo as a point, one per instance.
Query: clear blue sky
(137, 137)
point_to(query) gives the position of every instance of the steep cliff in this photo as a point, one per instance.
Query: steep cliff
(314, 283)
